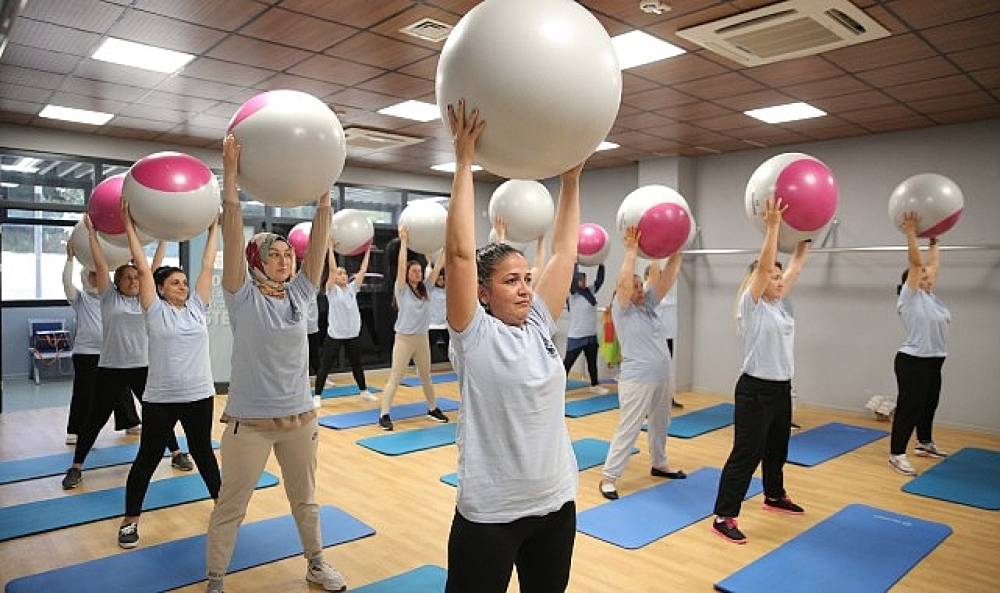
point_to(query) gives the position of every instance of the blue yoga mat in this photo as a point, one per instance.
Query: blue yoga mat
(426, 579)
(344, 391)
(639, 519)
(591, 405)
(859, 549)
(572, 384)
(589, 453)
(56, 465)
(823, 443)
(66, 511)
(182, 562)
(701, 421)
(400, 412)
(435, 379)
(410, 441)
(970, 477)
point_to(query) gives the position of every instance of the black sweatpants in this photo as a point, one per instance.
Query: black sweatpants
(84, 387)
(590, 353)
(315, 351)
(439, 340)
(113, 394)
(481, 556)
(331, 352)
(158, 422)
(918, 383)
(763, 421)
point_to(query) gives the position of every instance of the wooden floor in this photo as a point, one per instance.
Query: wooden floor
(411, 510)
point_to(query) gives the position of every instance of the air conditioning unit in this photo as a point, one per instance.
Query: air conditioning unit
(428, 29)
(368, 139)
(786, 30)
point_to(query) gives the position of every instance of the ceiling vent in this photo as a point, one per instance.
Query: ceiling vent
(428, 29)
(367, 139)
(786, 30)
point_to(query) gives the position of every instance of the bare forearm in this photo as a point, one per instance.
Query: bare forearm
(913, 250)
(564, 236)
(233, 256)
(312, 264)
(625, 282)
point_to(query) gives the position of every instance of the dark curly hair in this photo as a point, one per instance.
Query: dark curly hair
(487, 258)
(161, 274)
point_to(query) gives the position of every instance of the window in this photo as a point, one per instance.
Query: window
(381, 205)
(45, 181)
(33, 259)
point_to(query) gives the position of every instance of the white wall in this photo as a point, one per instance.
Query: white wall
(16, 363)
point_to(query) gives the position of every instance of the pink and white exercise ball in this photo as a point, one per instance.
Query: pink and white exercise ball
(298, 238)
(544, 76)
(172, 196)
(592, 244)
(805, 184)
(663, 217)
(105, 211)
(292, 147)
(937, 200)
(425, 221)
(352, 232)
(526, 208)
(79, 238)
(522, 247)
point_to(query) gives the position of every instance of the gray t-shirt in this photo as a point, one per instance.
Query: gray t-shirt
(768, 337)
(925, 319)
(582, 317)
(414, 314)
(270, 362)
(439, 310)
(89, 333)
(515, 458)
(343, 318)
(180, 369)
(312, 317)
(666, 310)
(645, 358)
(125, 343)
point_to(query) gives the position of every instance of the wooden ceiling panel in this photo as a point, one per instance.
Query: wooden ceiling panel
(681, 68)
(143, 133)
(221, 14)
(89, 15)
(969, 114)
(400, 85)
(873, 114)
(53, 37)
(830, 87)
(641, 120)
(658, 99)
(296, 29)
(723, 85)
(952, 102)
(24, 93)
(881, 52)
(155, 126)
(967, 34)
(887, 19)
(227, 72)
(989, 78)
(40, 59)
(379, 51)
(612, 25)
(909, 72)
(733, 121)
(25, 76)
(980, 57)
(140, 111)
(426, 68)
(314, 87)
(693, 111)
(755, 100)
(921, 14)
(152, 29)
(362, 99)
(244, 50)
(852, 102)
(356, 13)
(928, 89)
(335, 70)
(632, 84)
(794, 71)
(901, 123)
(25, 110)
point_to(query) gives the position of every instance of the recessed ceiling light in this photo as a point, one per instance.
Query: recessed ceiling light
(782, 113)
(415, 110)
(9, 185)
(606, 146)
(140, 55)
(23, 165)
(636, 48)
(82, 116)
(450, 167)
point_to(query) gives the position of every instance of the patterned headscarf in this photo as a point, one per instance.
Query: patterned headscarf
(257, 250)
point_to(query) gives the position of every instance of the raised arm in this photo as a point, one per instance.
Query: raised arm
(913, 259)
(666, 277)
(557, 274)
(204, 284)
(331, 264)
(626, 284)
(462, 288)
(438, 266)
(359, 278)
(319, 237)
(234, 264)
(540, 258)
(795, 266)
(100, 263)
(599, 281)
(404, 249)
(147, 288)
(159, 254)
(773, 209)
(67, 277)
(501, 229)
(933, 262)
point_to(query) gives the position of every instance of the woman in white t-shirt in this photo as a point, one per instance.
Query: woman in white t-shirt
(517, 472)
(763, 415)
(919, 360)
(87, 338)
(438, 328)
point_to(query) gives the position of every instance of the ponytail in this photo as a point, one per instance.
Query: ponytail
(744, 285)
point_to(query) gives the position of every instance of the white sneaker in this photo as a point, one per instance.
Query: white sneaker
(901, 464)
(599, 390)
(326, 576)
(317, 402)
(369, 395)
(70, 439)
(929, 449)
(214, 586)
(137, 429)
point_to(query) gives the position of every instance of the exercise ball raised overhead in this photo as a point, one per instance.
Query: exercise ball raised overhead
(492, 238)
(592, 244)
(298, 238)
(937, 201)
(544, 76)
(803, 183)
(352, 232)
(105, 211)
(425, 221)
(292, 147)
(79, 238)
(526, 209)
(663, 217)
(172, 196)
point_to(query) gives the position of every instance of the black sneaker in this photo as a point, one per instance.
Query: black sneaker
(782, 505)
(384, 422)
(128, 536)
(72, 479)
(729, 530)
(181, 461)
(676, 404)
(437, 415)
(673, 475)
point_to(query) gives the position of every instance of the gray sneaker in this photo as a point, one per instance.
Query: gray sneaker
(182, 461)
(72, 479)
(929, 449)
(901, 464)
(326, 576)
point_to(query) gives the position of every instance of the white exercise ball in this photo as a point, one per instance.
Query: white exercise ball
(352, 232)
(543, 74)
(172, 196)
(492, 238)
(113, 254)
(292, 147)
(425, 220)
(937, 201)
(526, 209)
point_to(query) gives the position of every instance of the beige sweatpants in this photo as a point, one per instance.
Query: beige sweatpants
(245, 450)
(405, 347)
(638, 402)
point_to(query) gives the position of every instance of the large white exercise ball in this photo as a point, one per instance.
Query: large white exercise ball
(526, 208)
(425, 222)
(592, 245)
(79, 238)
(292, 147)
(937, 201)
(663, 217)
(105, 211)
(803, 183)
(352, 232)
(172, 196)
(544, 76)
(492, 238)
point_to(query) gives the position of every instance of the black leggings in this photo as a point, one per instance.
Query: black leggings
(331, 352)
(113, 394)
(439, 344)
(763, 422)
(157, 430)
(315, 347)
(481, 556)
(84, 387)
(590, 353)
(919, 389)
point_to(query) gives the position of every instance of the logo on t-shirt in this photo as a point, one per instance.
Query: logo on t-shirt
(550, 347)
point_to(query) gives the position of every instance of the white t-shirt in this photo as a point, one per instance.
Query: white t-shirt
(768, 337)
(439, 310)
(414, 314)
(515, 458)
(926, 320)
(180, 369)
(666, 310)
(270, 362)
(312, 317)
(343, 319)
(89, 333)
(645, 358)
(582, 317)
(125, 343)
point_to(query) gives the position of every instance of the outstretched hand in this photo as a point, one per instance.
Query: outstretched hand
(774, 209)
(910, 222)
(465, 131)
(230, 153)
(632, 238)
